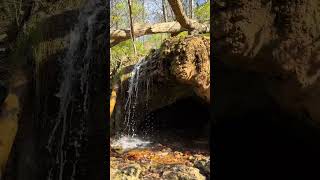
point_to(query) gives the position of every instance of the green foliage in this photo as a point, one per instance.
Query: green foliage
(183, 34)
(202, 12)
(154, 41)
(207, 35)
(137, 9)
(123, 54)
(116, 14)
(120, 15)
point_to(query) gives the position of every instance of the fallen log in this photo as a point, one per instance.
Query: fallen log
(117, 36)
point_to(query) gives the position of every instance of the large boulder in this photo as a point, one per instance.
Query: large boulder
(180, 68)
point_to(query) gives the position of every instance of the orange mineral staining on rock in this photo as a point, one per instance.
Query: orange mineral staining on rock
(157, 157)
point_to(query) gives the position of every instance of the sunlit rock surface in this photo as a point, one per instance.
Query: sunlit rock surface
(159, 162)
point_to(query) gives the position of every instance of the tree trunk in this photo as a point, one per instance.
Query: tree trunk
(143, 18)
(171, 13)
(164, 10)
(131, 27)
(191, 9)
(185, 22)
(177, 8)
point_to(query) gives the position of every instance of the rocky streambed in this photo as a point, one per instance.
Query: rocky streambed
(158, 161)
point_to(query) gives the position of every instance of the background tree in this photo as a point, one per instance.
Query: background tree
(152, 21)
(164, 10)
(191, 9)
(201, 12)
(131, 27)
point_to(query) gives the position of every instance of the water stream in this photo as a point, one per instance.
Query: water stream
(128, 142)
(137, 88)
(68, 134)
(132, 100)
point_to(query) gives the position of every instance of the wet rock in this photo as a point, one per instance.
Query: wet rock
(204, 166)
(201, 162)
(118, 149)
(132, 171)
(3, 37)
(180, 172)
(129, 172)
(3, 50)
(151, 164)
(3, 92)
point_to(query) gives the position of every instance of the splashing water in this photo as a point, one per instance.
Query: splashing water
(129, 142)
(137, 87)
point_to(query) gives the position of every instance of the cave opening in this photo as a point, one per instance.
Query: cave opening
(183, 124)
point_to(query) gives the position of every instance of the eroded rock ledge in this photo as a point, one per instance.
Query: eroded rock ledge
(180, 68)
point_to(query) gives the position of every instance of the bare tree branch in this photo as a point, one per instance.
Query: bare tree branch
(185, 22)
(118, 36)
(177, 8)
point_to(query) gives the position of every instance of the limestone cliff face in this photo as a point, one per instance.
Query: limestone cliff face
(280, 41)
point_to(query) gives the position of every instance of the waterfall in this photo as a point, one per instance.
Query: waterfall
(139, 86)
(69, 130)
(132, 99)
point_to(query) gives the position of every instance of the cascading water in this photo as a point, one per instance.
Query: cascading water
(68, 134)
(132, 100)
(137, 87)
